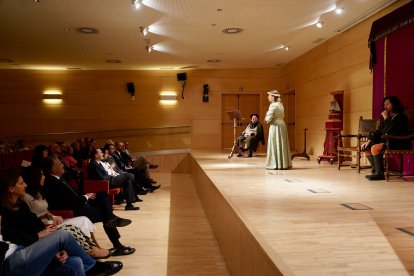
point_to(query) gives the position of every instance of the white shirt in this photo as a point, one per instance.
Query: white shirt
(108, 168)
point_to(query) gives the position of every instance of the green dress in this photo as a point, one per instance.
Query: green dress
(278, 151)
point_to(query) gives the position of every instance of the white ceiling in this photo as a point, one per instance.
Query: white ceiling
(187, 33)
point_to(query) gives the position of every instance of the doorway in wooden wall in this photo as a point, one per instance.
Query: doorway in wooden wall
(246, 104)
(288, 100)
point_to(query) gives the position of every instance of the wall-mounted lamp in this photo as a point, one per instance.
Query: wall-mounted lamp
(52, 96)
(168, 98)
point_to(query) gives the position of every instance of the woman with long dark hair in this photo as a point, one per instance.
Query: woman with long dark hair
(395, 123)
(23, 227)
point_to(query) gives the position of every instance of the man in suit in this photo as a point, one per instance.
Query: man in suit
(124, 161)
(97, 207)
(97, 171)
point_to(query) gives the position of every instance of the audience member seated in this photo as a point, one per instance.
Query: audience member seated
(140, 168)
(24, 227)
(139, 189)
(251, 136)
(34, 179)
(97, 170)
(40, 153)
(70, 175)
(395, 123)
(97, 207)
(54, 254)
(20, 145)
(77, 153)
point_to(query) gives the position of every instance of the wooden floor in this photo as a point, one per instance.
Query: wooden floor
(298, 218)
(171, 233)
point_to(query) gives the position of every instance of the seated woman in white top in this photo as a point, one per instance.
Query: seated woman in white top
(34, 179)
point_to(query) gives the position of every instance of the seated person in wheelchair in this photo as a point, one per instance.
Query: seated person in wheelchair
(395, 123)
(251, 136)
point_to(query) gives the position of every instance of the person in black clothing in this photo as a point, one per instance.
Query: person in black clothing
(97, 171)
(19, 226)
(124, 161)
(395, 123)
(97, 207)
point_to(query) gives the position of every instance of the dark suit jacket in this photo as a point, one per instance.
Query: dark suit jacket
(60, 196)
(120, 161)
(97, 172)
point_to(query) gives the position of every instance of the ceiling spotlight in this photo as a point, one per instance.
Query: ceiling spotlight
(319, 25)
(144, 31)
(339, 10)
(286, 48)
(148, 48)
(136, 3)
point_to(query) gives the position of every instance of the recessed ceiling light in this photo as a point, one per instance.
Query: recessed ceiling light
(232, 30)
(339, 10)
(87, 30)
(319, 25)
(136, 3)
(219, 10)
(286, 48)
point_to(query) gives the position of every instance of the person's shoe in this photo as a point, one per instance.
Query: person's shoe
(105, 268)
(153, 166)
(377, 176)
(123, 251)
(155, 187)
(143, 191)
(100, 253)
(117, 222)
(131, 208)
(152, 181)
(137, 200)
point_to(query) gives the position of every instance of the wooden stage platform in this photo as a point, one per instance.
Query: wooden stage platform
(310, 220)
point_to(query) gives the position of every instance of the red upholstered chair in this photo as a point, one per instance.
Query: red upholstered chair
(8, 160)
(400, 162)
(19, 156)
(63, 213)
(94, 186)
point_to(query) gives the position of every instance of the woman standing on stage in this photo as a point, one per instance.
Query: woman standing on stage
(278, 151)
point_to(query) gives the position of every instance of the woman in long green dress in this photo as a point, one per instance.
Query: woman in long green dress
(278, 151)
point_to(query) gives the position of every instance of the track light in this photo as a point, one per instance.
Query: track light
(144, 31)
(136, 3)
(319, 25)
(148, 48)
(339, 10)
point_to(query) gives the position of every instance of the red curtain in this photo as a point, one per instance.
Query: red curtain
(378, 79)
(400, 65)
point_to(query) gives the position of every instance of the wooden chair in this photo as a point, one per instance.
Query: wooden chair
(405, 157)
(351, 147)
(94, 186)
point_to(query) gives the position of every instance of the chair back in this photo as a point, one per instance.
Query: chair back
(366, 126)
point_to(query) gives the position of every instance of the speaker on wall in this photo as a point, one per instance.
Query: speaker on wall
(131, 89)
(182, 76)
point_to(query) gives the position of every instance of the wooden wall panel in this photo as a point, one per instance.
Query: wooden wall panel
(341, 63)
(98, 100)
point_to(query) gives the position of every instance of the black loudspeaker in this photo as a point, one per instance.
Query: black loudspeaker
(131, 88)
(182, 76)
